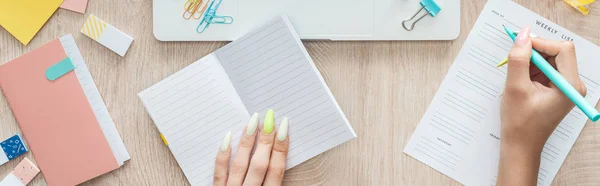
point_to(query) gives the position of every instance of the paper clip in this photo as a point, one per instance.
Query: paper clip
(580, 5)
(192, 9)
(211, 17)
(430, 6)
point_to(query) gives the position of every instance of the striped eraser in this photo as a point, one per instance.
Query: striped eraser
(26, 171)
(11, 148)
(107, 35)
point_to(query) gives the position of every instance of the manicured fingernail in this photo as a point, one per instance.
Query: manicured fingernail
(226, 141)
(523, 36)
(252, 124)
(282, 133)
(530, 35)
(269, 122)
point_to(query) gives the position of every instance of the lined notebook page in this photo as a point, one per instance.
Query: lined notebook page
(194, 108)
(91, 92)
(270, 69)
(459, 134)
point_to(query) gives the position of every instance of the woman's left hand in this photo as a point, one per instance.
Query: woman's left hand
(267, 164)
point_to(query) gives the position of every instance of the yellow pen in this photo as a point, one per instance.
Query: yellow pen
(505, 60)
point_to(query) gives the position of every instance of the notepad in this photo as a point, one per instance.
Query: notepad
(24, 18)
(75, 5)
(64, 121)
(459, 135)
(267, 68)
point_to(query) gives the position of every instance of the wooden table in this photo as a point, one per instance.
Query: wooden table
(383, 87)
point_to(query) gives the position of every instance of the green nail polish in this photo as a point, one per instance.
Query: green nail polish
(269, 123)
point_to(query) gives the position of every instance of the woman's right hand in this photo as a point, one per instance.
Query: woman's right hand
(532, 107)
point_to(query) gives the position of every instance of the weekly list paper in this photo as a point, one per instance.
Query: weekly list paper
(459, 135)
(266, 69)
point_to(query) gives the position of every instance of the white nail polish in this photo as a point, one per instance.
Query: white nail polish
(252, 125)
(282, 133)
(226, 141)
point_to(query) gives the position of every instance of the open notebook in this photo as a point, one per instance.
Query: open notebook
(459, 135)
(266, 69)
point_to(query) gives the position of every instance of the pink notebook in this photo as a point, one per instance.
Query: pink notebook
(56, 118)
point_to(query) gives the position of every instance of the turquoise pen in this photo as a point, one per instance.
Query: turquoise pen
(560, 82)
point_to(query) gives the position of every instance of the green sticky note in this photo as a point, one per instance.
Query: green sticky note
(59, 69)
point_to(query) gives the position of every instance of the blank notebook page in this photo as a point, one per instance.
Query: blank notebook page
(270, 69)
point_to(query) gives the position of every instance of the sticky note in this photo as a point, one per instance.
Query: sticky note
(12, 147)
(75, 5)
(11, 180)
(24, 18)
(23, 173)
(59, 69)
(107, 35)
(26, 171)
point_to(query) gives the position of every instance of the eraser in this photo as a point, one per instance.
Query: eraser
(12, 147)
(107, 35)
(26, 171)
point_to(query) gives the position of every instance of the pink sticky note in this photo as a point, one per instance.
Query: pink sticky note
(25, 171)
(56, 118)
(75, 5)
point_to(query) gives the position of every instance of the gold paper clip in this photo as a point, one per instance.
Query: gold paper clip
(192, 9)
(580, 5)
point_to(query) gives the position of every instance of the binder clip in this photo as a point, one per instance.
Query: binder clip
(430, 6)
(211, 17)
(192, 9)
(580, 5)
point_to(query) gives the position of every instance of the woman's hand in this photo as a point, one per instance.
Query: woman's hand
(532, 106)
(267, 165)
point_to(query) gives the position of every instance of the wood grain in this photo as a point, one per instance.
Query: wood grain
(383, 87)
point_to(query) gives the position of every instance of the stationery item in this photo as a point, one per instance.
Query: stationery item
(59, 69)
(313, 19)
(429, 6)
(459, 134)
(45, 111)
(24, 18)
(560, 82)
(502, 63)
(23, 173)
(505, 60)
(192, 9)
(210, 17)
(11, 148)
(75, 5)
(581, 5)
(268, 68)
(107, 35)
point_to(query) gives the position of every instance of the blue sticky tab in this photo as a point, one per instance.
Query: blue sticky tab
(59, 69)
(431, 7)
(13, 147)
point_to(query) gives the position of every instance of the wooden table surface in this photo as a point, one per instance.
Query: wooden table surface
(383, 87)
